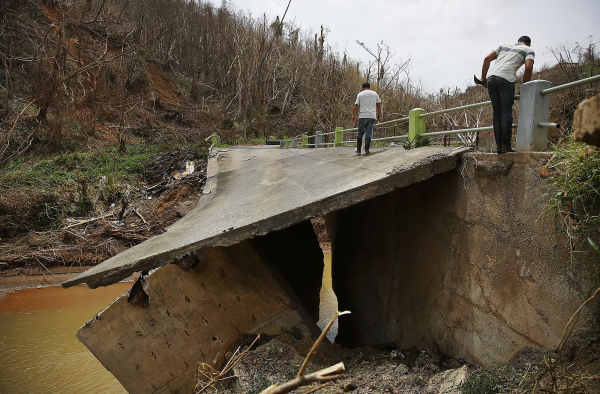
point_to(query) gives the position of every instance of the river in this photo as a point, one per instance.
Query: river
(39, 352)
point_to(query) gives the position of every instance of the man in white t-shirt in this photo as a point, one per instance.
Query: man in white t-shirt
(501, 85)
(368, 105)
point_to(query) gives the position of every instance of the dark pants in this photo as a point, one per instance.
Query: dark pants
(502, 95)
(365, 126)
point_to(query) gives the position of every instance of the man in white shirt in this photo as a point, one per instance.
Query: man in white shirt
(368, 105)
(501, 85)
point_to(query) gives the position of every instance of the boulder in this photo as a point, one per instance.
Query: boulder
(586, 121)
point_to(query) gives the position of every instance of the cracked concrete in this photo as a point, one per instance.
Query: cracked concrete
(256, 190)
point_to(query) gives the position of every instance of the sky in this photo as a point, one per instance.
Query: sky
(446, 41)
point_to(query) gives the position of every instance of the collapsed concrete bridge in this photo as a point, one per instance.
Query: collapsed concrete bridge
(430, 247)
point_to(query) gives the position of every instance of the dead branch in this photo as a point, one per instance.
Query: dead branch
(13, 127)
(329, 374)
(334, 372)
(575, 316)
(211, 377)
(87, 221)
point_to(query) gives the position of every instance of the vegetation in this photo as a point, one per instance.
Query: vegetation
(495, 379)
(576, 188)
(90, 90)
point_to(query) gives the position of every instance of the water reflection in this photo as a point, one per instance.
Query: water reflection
(39, 352)
(329, 302)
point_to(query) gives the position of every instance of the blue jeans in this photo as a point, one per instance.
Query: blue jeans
(365, 126)
(502, 95)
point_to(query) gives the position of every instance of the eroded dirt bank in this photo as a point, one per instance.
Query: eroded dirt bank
(385, 369)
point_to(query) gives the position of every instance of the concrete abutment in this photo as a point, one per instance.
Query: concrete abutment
(466, 261)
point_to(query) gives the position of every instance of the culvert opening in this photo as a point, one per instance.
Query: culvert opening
(328, 303)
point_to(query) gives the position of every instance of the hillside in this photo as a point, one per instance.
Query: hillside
(101, 101)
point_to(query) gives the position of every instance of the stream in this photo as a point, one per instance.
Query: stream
(39, 352)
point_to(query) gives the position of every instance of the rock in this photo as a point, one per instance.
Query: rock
(397, 355)
(402, 370)
(39, 287)
(586, 121)
(453, 364)
(447, 382)
(349, 386)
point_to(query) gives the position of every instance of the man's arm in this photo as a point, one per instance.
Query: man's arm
(486, 65)
(378, 105)
(354, 111)
(528, 70)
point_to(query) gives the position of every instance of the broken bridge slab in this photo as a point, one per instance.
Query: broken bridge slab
(252, 191)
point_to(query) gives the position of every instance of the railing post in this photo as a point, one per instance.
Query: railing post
(534, 107)
(416, 125)
(318, 139)
(304, 141)
(294, 143)
(216, 141)
(338, 137)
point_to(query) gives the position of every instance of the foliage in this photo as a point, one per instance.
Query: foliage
(57, 169)
(418, 142)
(576, 187)
(491, 380)
(73, 184)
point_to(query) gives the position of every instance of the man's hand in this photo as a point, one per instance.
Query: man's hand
(353, 118)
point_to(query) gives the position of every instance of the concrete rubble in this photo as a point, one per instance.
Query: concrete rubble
(586, 121)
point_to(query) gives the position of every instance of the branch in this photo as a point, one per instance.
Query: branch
(329, 374)
(12, 129)
(313, 349)
(576, 314)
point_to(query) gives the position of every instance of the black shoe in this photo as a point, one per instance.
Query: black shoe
(358, 145)
(499, 152)
(508, 150)
(367, 145)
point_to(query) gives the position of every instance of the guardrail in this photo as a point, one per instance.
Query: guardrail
(532, 126)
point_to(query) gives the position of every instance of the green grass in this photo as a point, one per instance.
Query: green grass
(491, 380)
(576, 187)
(53, 171)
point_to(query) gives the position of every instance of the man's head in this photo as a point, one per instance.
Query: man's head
(525, 40)
(366, 85)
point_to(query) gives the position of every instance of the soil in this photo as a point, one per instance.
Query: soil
(368, 370)
(386, 369)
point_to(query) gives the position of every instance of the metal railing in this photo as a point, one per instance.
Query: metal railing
(531, 128)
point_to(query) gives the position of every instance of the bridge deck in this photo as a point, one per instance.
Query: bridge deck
(256, 190)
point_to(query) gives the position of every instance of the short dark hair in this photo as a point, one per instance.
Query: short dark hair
(366, 85)
(525, 40)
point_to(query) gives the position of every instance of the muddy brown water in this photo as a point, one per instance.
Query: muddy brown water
(39, 352)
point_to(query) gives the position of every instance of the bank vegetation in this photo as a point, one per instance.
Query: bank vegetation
(94, 92)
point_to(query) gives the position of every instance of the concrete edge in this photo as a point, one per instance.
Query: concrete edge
(284, 220)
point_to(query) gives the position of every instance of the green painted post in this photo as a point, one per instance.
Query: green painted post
(338, 137)
(416, 125)
(304, 141)
(215, 139)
